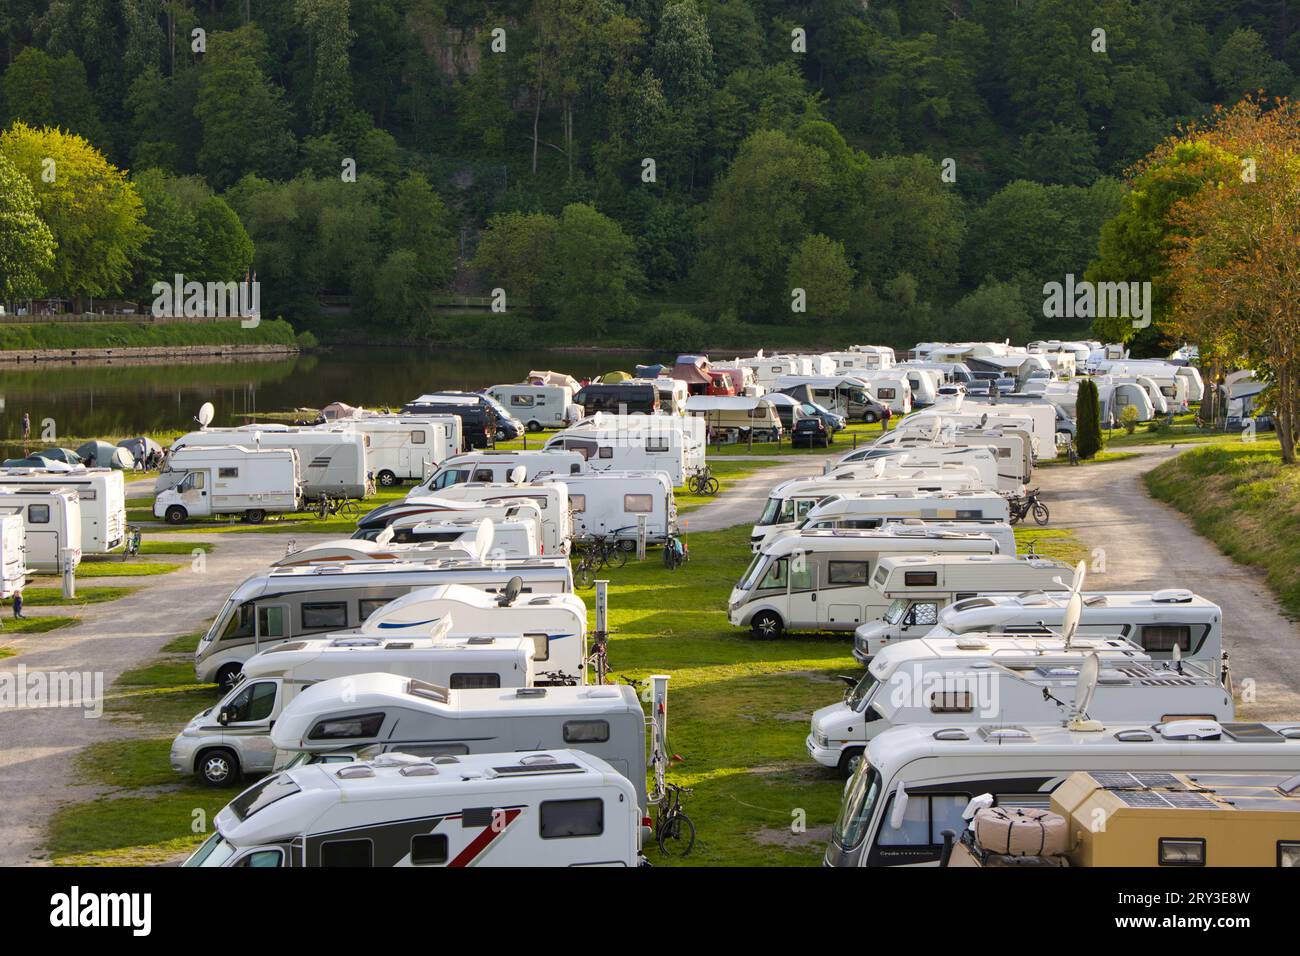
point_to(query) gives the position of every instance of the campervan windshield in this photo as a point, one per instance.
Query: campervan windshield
(895, 612)
(778, 511)
(861, 693)
(859, 806)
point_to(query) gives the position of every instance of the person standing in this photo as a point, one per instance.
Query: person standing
(18, 605)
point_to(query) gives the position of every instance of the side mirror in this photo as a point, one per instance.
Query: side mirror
(223, 716)
(898, 814)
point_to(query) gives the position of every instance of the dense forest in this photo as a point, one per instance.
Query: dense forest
(916, 168)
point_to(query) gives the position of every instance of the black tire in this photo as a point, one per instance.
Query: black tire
(255, 515)
(767, 625)
(711, 486)
(616, 557)
(870, 418)
(175, 514)
(1014, 517)
(849, 761)
(226, 675)
(387, 478)
(677, 836)
(1041, 514)
(500, 434)
(534, 426)
(218, 767)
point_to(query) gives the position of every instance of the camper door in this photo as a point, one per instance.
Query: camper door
(272, 625)
(802, 601)
(193, 491)
(248, 714)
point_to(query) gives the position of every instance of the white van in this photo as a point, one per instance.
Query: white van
(330, 461)
(1157, 621)
(207, 480)
(559, 808)
(498, 467)
(400, 447)
(233, 736)
(1006, 679)
(51, 525)
(537, 406)
(821, 580)
(915, 782)
(101, 494)
(611, 503)
(13, 553)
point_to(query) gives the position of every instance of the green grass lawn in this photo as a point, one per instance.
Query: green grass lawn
(1184, 430)
(1101, 458)
(9, 628)
(53, 596)
(116, 567)
(297, 522)
(1241, 497)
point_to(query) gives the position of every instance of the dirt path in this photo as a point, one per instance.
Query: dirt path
(1151, 545)
(37, 745)
(742, 503)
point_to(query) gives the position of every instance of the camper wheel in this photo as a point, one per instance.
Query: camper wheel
(869, 418)
(254, 515)
(387, 478)
(176, 514)
(767, 624)
(534, 426)
(849, 761)
(218, 768)
(500, 434)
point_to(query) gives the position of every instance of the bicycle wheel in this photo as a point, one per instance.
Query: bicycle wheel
(711, 486)
(1041, 514)
(676, 836)
(1014, 516)
(585, 576)
(615, 557)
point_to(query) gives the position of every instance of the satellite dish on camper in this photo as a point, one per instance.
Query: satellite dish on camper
(483, 539)
(1089, 671)
(205, 415)
(879, 468)
(513, 587)
(518, 474)
(1074, 606)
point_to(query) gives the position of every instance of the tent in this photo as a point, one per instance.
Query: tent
(692, 369)
(613, 378)
(140, 448)
(100, 454)
(65, 455)
(651, 371)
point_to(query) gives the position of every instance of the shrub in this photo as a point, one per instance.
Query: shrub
(1088, 411)
(676, 332)
(1129, 419)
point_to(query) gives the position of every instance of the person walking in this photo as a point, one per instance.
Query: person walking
(18, 605)
(885, 415)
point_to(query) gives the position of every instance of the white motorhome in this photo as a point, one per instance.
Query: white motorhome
(980, 463)
(822, 580)
(101, 494)
(13, 553)
(1005, 679)
(510, 539)
(401, 447)
(330, 461)
(607, 504)
(205, 480)
(499, 467)
(1039, 419)
(51, 525)
(791, 501)
(480, 540)
(768, 369)
(914, 783)
(555, 623)
(669, 443)
(460, 501)
(233, 736)
(1157, 621)
(523, 514)
(557, 808)
(282, 604)
(416, 717)
(537, 406)
(919, 587)
(1000, 531)
(1013, 446)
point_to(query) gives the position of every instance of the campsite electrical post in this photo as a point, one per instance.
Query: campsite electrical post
(640, 537)
(69, 574)
(602, 628)
(659, 715)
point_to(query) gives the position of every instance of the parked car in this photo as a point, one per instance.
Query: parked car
(811, 432)
(833, 421)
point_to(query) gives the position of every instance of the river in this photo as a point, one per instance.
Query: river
(94, 400)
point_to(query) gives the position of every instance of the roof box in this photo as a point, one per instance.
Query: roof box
(1191, 730)
(1172, 596)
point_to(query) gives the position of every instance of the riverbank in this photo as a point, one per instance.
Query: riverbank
(74, 341)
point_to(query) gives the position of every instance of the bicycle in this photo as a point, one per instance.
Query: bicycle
(133, 539)
(674, 831)
(560, 678)
(675, 552)
(702, 482)
(600, 553)
(1021, 507)
(327, 505)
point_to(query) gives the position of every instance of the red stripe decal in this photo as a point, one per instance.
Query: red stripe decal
(481, 842)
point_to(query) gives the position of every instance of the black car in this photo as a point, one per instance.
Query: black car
(811, 432)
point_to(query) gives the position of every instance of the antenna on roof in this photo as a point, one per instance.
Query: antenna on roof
(518, 474)
(205, 415)
(1089, 671)
(512, 589)
(1074, 606)
(483, 538)
(1176, 655)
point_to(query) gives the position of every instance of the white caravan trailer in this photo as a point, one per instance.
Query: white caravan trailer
(915, 782)
(463, 500)
(821, 580)
(537, 406)
(1001, 532)
(848, 395)
(919, 587)
(400, 447)
(789, 502)
(947, 510)
(13, 556)
(559, 808)
(1001, 679)
(1039, 416)
(768, 369)
(233, 736)
(689, 432)
(51, 525)
(555, 623)
(669, 443)
(281, 604)
(979, 462)
(499, 467)
(523, 514)
(611, 503)
(205, 480)
(101, 494)
(1156, 621)
(1014, 448)
(673, 393)
(331, 462)
(415, 717)
(1174, 387)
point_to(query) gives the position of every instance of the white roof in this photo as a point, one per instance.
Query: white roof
(725, 403)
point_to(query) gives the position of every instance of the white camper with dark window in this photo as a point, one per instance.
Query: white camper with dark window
(400, 447)
(331, 462)
(611, 504)
(499, 467)
(537, 406)
(51, 525)
(207, 480)
(101, 494)
(473, 499)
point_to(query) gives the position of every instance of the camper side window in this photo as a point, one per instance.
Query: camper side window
(316, 617)
(571, 818)
(951, 702)
(578, 503)
(270, 621)
(417, 438)
(776, 575)
(586, 731)
(924, 614)
(1163, 637)
(38, 514)
(920, 579)
(924, 820)
(606, 451)
(428, 849)
(227, 472)
(886, 394)
(347, 853)
(368, 606)
(254, 703)
(482, 474)
(848, 572)
(638, 504)
(521, 401)
(656, 444)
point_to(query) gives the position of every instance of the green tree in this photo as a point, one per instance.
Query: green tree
(328, 40)
(513, 252)
(1243, 66)
(682, 56)
(1088, 419)
(89, 205)
(820, 268)
(192, 232)
(44, 91)
(422, 226)
(993, 312)
(26, 243)
(593, 276)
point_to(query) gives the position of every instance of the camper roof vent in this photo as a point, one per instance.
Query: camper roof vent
(481, 640)
(445, 758)
(522, 768)
(1058, 673)
(291, 646)
(355, 642)
(530, 692)
(328, 569)
(951, 733)
(395, 759)
(605, 693)
(354, 770)
(1190, 730)
(531, 759)
(1252, 733)
(399, 645)
(1290, 786)
(419, 770)
(972, 644)
(1172, 596)
(999, 735)
(1134, 736)
(434, 692)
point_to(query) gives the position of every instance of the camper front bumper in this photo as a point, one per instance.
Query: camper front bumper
(820, 749)
(183, 750)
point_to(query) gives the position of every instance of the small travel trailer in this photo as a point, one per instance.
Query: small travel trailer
(330, 461)
(416, 717)
(881, 823)
(736, 416)
(672, 395)
(282, 604)
(892, 387)
(822, 580)
(199, 481)
(612, 503)
(1000, 679)
(847, 395)
(51, 525)
(537, 406)
(499, 467)
(1013, 446)
(615, 443)
(13, 553)
(543, 808)
(101, 495)
(402, 447)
